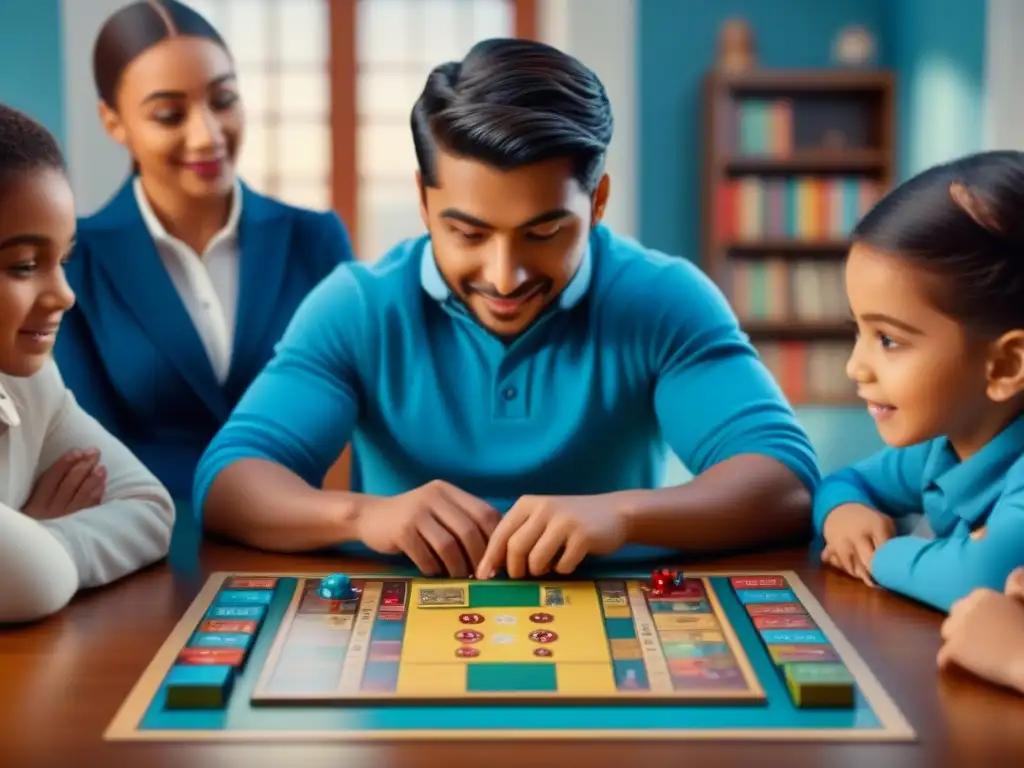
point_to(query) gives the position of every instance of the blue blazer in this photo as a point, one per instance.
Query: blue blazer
(129, 351)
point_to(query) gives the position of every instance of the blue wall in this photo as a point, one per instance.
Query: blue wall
(31, 60)
(936, 46)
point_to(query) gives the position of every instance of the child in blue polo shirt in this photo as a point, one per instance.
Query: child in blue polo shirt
(935, 280)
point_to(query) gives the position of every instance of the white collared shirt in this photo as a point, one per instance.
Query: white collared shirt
(43, 563)
(207, 283)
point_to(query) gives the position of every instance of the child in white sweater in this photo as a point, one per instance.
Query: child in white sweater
(77, 509)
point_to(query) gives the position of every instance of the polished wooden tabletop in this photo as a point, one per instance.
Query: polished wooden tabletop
(62, 680)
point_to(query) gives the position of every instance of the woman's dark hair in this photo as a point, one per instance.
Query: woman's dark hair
(135, 29)
(961, 222)
(510, 103)
(26, 146)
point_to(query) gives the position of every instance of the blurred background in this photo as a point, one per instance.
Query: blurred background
(811, 96)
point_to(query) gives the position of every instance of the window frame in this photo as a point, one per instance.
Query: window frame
(343, 49)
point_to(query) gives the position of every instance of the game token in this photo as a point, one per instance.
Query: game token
(337, 586)
(546, 652)
(469, 636)
(541, 618)
(467, 652)
(543, 636)
(471, 618)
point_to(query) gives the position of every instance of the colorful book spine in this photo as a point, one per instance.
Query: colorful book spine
(751, 208)
(775, 288)
(809, 371)
(758, 127)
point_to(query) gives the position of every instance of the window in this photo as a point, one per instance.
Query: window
(282, 51)
(328, 86)
(398, 42)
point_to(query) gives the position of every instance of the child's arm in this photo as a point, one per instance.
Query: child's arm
(889, 481)
(131, 527)
(984, 634)
(36, 570)
(942, 571)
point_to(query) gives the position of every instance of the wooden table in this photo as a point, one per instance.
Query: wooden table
(61, 682)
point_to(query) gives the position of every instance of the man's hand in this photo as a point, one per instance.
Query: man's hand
(441, 528)
(541, 533)
(1015, 585)
(984, 634)
(852, 534)
(74, 482)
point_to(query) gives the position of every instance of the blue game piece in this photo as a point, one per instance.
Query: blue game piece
(337, 586)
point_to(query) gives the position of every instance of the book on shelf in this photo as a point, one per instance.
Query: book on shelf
(780, 289)
(810, 371)
(779, 127)
(805, 207)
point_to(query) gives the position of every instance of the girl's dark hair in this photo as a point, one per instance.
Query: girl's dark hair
(26, 146)
(510, 103)
(135, 29)
(963, 223)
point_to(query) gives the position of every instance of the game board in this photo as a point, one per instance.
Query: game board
(719, 655)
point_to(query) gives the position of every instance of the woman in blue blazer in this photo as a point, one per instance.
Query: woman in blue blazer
(186, 279)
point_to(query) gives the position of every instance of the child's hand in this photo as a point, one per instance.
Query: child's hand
(984, 634)
(852, 534)
(74, 482)
(1015, 585)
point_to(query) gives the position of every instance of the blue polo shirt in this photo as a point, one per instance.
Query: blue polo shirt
(639, 355)
(957, 498)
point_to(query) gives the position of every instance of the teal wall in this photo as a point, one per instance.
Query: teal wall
(937, 48)
(31, 61)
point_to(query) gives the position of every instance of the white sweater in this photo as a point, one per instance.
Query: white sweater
(43, 563)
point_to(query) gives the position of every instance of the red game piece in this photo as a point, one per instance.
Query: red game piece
(662, 581)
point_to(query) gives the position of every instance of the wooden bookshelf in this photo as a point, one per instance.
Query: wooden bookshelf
(791, 161)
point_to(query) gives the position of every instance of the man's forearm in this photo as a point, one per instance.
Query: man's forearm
(264, 505)
(745, 502)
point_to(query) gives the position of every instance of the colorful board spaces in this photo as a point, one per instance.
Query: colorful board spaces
(265, 657)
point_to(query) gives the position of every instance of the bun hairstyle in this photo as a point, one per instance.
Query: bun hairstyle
(136, 28)
(510, 103)
(963, 224)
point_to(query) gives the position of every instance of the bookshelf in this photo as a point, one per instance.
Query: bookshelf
(792, 160)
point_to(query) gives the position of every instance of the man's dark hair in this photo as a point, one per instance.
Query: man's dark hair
(133, 30)
(511, 103)
(26, 146)
(961, 223)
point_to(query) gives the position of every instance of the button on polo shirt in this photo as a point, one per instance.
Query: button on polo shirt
(639, 355)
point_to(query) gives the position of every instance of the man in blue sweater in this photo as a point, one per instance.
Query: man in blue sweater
(511, 382)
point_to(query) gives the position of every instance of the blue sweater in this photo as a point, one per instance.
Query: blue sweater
(640, 350)
(957, 498)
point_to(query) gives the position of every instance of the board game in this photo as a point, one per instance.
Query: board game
(264, 656)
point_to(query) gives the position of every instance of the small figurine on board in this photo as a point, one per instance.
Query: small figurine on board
(664, 581)
(337, 586)
(736, 53)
